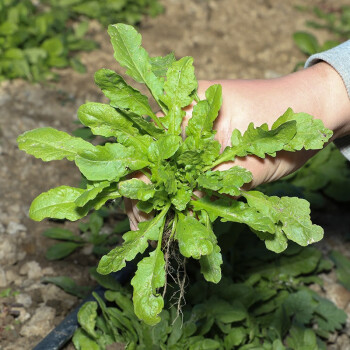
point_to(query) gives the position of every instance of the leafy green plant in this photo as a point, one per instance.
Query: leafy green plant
(336, 22)
(261, 303)
(34, 38)
(90, 234)
(175, 167)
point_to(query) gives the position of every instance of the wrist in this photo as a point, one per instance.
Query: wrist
(325, 97)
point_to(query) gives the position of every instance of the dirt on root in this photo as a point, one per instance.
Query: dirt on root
(227, 38)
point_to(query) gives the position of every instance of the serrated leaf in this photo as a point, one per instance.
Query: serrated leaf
(259, 141)
(136, 189)
(194, 239)
(57, 203)
(310, 132)
(234, 211)
(301, 306)
(150, 276)
(293, 214)
(330, 317)
(134, 242)
(106, 121)
(204, 114)
(51, 144)
(126, 42)
(227, 181)
(120, 94)
(109, 162)
(181, 198)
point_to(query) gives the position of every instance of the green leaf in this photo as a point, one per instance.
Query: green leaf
(306, 42)
(204, 114)
(292, 213)
(210, 264)
(181, 198)
(68, 285)
(150, 276)
(134, 242)
(310, 132)
(109, 162)
(302, 339)
(87, 318)
(82, 341)
(136, 189)
(194, 238)
(57, 203)
(160, 65)
(122, 95)
(330, 317)
(164, 148)
(342, 268)
(51, 144)
(106, 121)
(301, 306)
(91, 193)
(180, 83)
(61, 250)
(235, 337)
(227, 181)
(126, 42)
(234, 211)
(61, 234)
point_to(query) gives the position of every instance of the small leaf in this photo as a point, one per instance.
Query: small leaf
(68, 285)
(87, 318)
(61, 234)
(136, 189)
(306, 42)
(61, 250)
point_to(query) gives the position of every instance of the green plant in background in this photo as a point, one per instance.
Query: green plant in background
(261, 303)
(324, 176)
(337, 22)
(175, 167)
(34, 38)
(90, 235)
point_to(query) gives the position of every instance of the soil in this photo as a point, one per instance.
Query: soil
(228, 39)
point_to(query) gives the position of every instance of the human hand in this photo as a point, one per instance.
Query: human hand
(318, 91)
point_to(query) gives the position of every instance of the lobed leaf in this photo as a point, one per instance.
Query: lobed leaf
(150, 276)
(136, 189)
(134, 242)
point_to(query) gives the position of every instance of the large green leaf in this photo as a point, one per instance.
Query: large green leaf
(51, 144)
(126, 42)
(109, 162)
(227, 181)
(106, 121)
(121, 94)
(136, 189)
(58, 203)
(150, 276)
(292, 213)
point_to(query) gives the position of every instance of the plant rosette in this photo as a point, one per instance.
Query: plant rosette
(175, 166)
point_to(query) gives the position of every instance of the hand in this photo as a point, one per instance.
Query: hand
(318, 91)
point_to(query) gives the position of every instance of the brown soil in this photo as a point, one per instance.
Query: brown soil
(227, 38)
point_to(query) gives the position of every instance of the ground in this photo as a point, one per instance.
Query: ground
(228, 39)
